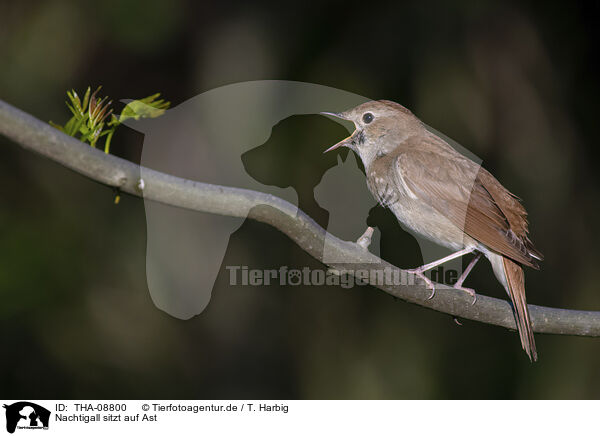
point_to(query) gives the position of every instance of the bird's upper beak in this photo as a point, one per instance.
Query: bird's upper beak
(344, 143)
(335, 114)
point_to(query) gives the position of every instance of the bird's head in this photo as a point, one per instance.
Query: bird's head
(380, 126)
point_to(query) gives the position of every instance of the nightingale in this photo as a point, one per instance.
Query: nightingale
(445, 197)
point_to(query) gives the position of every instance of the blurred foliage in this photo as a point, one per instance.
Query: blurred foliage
(514, 82)
(90, 114)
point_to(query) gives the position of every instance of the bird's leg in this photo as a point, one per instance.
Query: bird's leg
(365, 240)
(463, 277)
(420, 270)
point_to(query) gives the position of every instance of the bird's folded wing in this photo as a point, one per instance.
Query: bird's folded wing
(470, 197)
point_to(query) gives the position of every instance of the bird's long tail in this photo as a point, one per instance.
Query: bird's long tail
(515, 280)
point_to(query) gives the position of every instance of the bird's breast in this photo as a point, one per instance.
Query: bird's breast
(414, 213)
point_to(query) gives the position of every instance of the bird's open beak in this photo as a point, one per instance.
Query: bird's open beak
(344, 143)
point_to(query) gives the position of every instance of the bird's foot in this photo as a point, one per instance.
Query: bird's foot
(365, 240)
(469, 291)
(419, 272)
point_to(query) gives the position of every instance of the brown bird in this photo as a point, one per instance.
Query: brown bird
(446, 197)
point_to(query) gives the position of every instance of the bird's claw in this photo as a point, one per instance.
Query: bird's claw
(469, 291)
(420, 273)
(429, 284)
(432, 293)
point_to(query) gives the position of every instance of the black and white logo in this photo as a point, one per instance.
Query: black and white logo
(26, 415)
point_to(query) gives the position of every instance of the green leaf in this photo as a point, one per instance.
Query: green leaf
(75, 103)
(147, 107)
(72, 126)
(86, 97)
(56, 126)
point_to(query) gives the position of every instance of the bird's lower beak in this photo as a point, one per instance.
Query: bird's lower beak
(344, 143)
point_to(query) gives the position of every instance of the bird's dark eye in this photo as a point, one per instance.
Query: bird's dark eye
(368, 117)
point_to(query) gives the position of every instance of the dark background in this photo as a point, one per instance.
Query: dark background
(516, 83)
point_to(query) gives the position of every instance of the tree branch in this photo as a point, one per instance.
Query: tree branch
(112, 171)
